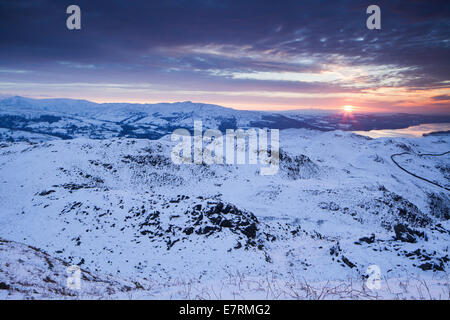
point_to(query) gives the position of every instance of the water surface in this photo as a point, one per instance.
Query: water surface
(413, 131)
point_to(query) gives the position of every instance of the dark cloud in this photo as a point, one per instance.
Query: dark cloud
(442, 97)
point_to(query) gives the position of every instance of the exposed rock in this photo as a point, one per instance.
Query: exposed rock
(297, 167)
(439, 205)
(405, 234)
(331, 206)
(348, 262)
(369, 240)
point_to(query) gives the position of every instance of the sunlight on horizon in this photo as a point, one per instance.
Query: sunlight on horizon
(348, 108)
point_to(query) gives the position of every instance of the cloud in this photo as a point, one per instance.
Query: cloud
(442, 97)
(13, 71)
(296, 47)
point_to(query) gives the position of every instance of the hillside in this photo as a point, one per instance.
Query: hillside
(338, 204)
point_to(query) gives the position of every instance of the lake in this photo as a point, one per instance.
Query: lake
(413, 131)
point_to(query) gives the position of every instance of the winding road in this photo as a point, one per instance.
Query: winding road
(420, 155)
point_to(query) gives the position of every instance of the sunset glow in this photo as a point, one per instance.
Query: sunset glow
(348, 108)
(284, 60)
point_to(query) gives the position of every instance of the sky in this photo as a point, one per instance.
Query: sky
(244, 54)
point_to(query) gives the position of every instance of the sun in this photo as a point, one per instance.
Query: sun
(348, 108)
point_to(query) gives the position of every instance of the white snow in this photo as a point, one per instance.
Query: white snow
(121, 209)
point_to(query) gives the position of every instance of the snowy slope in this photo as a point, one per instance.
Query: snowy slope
(338, 204)
(27, 272)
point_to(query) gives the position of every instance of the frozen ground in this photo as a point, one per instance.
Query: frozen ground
(148, 228)
(29, 273)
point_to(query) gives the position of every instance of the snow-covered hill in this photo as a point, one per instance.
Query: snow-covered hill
(25, 119)
(30, 273)
(338, 204)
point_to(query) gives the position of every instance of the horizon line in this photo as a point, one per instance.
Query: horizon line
(298, 109)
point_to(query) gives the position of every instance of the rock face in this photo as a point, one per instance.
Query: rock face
(405, 234)
(440, 205)
(206, 218)
(298, 166)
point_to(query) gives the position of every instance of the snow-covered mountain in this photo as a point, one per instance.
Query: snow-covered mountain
(25, 119)
(121, 209)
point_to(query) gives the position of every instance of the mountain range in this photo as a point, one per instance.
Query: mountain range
(46, 119)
